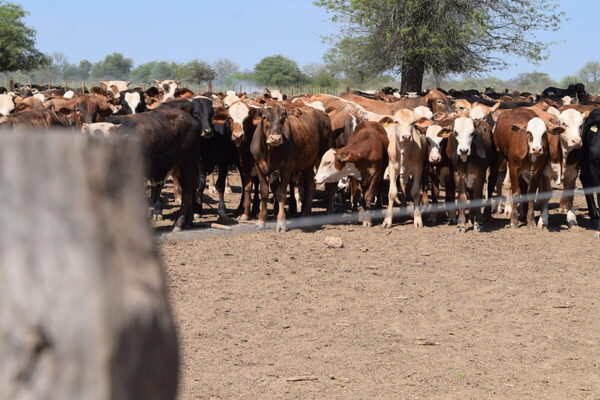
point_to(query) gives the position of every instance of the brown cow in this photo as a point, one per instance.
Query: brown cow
(471, 148)
(521, 138)
(364, 158)
(38, 119)
(289, 141)
(435, 100)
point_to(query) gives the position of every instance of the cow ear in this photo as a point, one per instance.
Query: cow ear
(104, 83)
(127, 83)
(479, 143)
(177, 82)
(295, 112)
(444, 133)
(556, 130)
(158, 82)
(423, 124)
(336, 133)
(386, 121)
(343, 158)
(586, 114)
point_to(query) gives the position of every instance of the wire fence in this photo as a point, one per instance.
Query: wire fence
(352, 217)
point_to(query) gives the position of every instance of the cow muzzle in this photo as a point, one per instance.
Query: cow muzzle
(575, 143)
(406, 138)
(207, 133)
(274, 140)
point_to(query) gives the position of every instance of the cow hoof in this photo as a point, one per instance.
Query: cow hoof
(418, 223)
(387, 223)
(158, 217)
(177, 229)
(461, 229)
(281, 227)
(597, 235)
(477, 228)
(531, 225)
(243, 217)
(261, 225)
(367, 224)
(513, 225)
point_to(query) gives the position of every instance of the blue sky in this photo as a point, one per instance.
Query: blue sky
(245, 31)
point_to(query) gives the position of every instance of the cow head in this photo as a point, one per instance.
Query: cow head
(118, 85)
(572, 121)
(336, 164)
(406, 126)
(221, 122)
(132, 101)
(462, 107)
(438, 102)
(202, 111)
(535, 130)
(435, 136)
(168, 88)
(100, 129)
(274, 123)
(238, 112)
(7, 104)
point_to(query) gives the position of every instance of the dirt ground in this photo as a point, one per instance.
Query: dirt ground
(394, 314)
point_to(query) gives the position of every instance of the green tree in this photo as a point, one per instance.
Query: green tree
(411, 37)
(533, 82)
(196, 72)
(17, 41)
(85, 69)
(278, 71)
(590, 75)
(114, 66)
(319, 75)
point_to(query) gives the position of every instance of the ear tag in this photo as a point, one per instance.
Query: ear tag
(385, 125)
(594, 128)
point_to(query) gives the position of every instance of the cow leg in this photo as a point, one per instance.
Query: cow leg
(435, 193)
(309, 191)
(212, 187)
(155, 189)
(393, 192)
(227, 185)
(199, 200)
(264, 197)
(491, 182)
(515, 191)
(369, 193)
(247, 183)
(188, 176)
(569, 179)
(220, 185)
(462, 202)
(477, 196)
(415, 192)
(280, 195)
(331, 188)
(176, 189)
(545, 186)
(293, 200)
(450, 196)
(256, 198)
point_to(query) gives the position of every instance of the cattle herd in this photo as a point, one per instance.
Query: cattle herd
(359, 146)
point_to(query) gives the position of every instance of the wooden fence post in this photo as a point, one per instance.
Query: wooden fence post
(83, 303)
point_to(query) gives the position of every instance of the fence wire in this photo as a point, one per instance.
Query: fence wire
(352, 217)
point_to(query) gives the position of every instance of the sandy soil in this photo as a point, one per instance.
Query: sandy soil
(394, 314)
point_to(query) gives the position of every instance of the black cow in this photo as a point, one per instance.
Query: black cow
(574, 90)
(217, 151)
(590, 162)
(172, 140)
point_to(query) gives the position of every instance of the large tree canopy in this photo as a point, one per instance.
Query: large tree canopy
(114, 66)
(440, 36)
(17, 41)
(278, 71)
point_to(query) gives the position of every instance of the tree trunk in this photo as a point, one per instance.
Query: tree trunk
(83, 303)
(412, 78)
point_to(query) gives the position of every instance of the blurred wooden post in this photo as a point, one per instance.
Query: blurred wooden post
(11, 85)
(83, 302)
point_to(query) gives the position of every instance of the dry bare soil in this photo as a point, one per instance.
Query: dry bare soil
(394, 314)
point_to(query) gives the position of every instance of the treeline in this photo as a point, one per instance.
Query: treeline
(277, 72)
